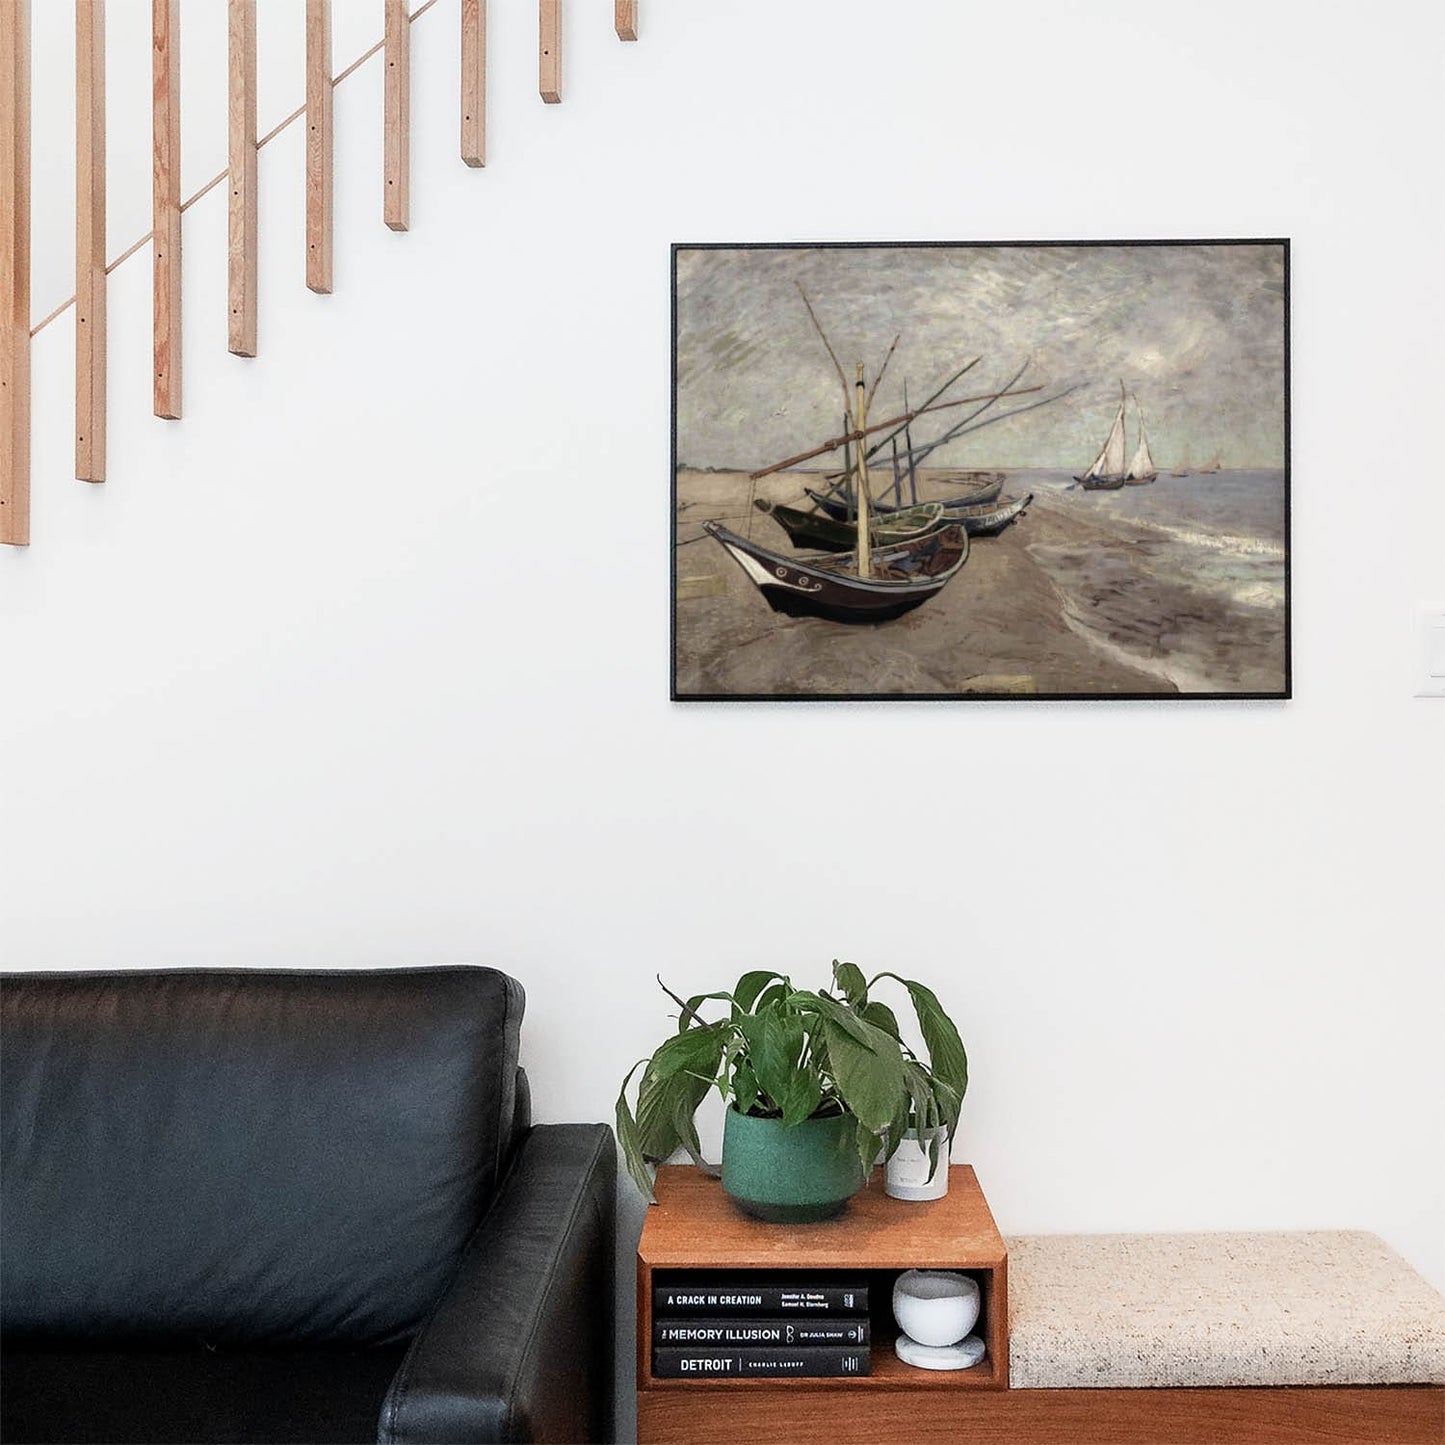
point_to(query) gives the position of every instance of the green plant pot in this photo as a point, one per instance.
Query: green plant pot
(791, 1176)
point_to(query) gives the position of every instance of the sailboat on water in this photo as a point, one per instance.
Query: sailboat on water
(1108, 472)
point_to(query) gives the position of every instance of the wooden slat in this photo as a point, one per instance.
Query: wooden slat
(15, 272)
(396, 106)
(931, 1412)
(166, 203)
(549, 50)
(90, 294)
(474, 82)
(318, 145)
(242, 221)
(624, 19)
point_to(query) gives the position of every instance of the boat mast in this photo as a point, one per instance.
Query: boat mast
(860, 422)
(908, 443)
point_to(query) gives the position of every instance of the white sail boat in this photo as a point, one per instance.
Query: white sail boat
(1142, 468)
(1108, 472)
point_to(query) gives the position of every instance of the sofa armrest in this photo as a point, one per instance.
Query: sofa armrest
(520, 1346)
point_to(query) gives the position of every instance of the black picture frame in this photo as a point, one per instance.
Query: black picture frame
(1212, 560)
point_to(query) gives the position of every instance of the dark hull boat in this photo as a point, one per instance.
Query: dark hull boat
(900, 578)
(989, 519)
(985, 488)
(833, 534)
(980, 519)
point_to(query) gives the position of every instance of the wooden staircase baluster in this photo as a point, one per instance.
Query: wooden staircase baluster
(242, 218)
(15, 272)
(474, 82)
(166, 204)
(396, 106)
(549, 50)
(90, 286)
(318, 146)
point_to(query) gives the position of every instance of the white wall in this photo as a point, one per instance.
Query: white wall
(366, 660)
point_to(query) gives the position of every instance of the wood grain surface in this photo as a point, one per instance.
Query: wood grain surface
(166, 204)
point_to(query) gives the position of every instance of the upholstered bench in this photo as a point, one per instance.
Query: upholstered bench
(1325, 1336)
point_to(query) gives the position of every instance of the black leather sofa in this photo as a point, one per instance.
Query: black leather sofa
(293, 1206)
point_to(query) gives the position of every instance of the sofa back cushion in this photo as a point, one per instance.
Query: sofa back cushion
(246, 1156)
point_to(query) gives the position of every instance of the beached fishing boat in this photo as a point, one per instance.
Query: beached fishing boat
(1213, 467)
(989, 518)
(1108, 472)
(867, 584)
(978, 519)
(972, 489)
(829, 585)
(834, 534)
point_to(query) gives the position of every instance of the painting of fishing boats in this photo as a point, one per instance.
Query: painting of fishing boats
(927, 471)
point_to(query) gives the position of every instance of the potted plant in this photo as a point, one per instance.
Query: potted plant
(816, 1082)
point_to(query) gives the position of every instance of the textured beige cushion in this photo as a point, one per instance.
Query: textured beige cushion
(1330, 1308)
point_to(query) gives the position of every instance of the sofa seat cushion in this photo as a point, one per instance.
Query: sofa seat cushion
(318, 1396)
(1320, 1308)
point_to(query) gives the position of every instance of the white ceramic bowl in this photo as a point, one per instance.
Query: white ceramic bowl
(935, 1306)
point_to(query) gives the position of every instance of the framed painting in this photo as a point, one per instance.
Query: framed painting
(981, 470)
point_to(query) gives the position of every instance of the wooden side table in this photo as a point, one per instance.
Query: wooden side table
(695, 1226)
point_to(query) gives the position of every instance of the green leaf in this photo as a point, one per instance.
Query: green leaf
(881, 1016)
(840, 1016)
(804, 1094)
(750, 985)
(848, 978)
(869, 1075)
(867, 1142)
(774, 993)
(660, 1104)
(693, 1051)
(677, 1077)
(775, 1045)
(949, 1104)
(630, 1138)
(684, 1126)
(897, 1126)
(922, 1107)
(945, 1049)
(745, 1087)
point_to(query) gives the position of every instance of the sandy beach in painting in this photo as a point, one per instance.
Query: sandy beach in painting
(1176, 587)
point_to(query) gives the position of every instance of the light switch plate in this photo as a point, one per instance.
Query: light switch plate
(1432, 655)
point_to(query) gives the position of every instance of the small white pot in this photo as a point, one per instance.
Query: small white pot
(905, 1176)
(935, 1306)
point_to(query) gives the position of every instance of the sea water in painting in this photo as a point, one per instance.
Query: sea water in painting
(910, 471)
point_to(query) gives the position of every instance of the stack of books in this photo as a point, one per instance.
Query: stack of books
(806, 1327)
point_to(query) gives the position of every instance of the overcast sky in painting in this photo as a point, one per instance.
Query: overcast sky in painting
(1196, 332)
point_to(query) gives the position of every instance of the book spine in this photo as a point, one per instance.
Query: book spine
(805, 1330)
(816, 1361)
(744, 1299)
